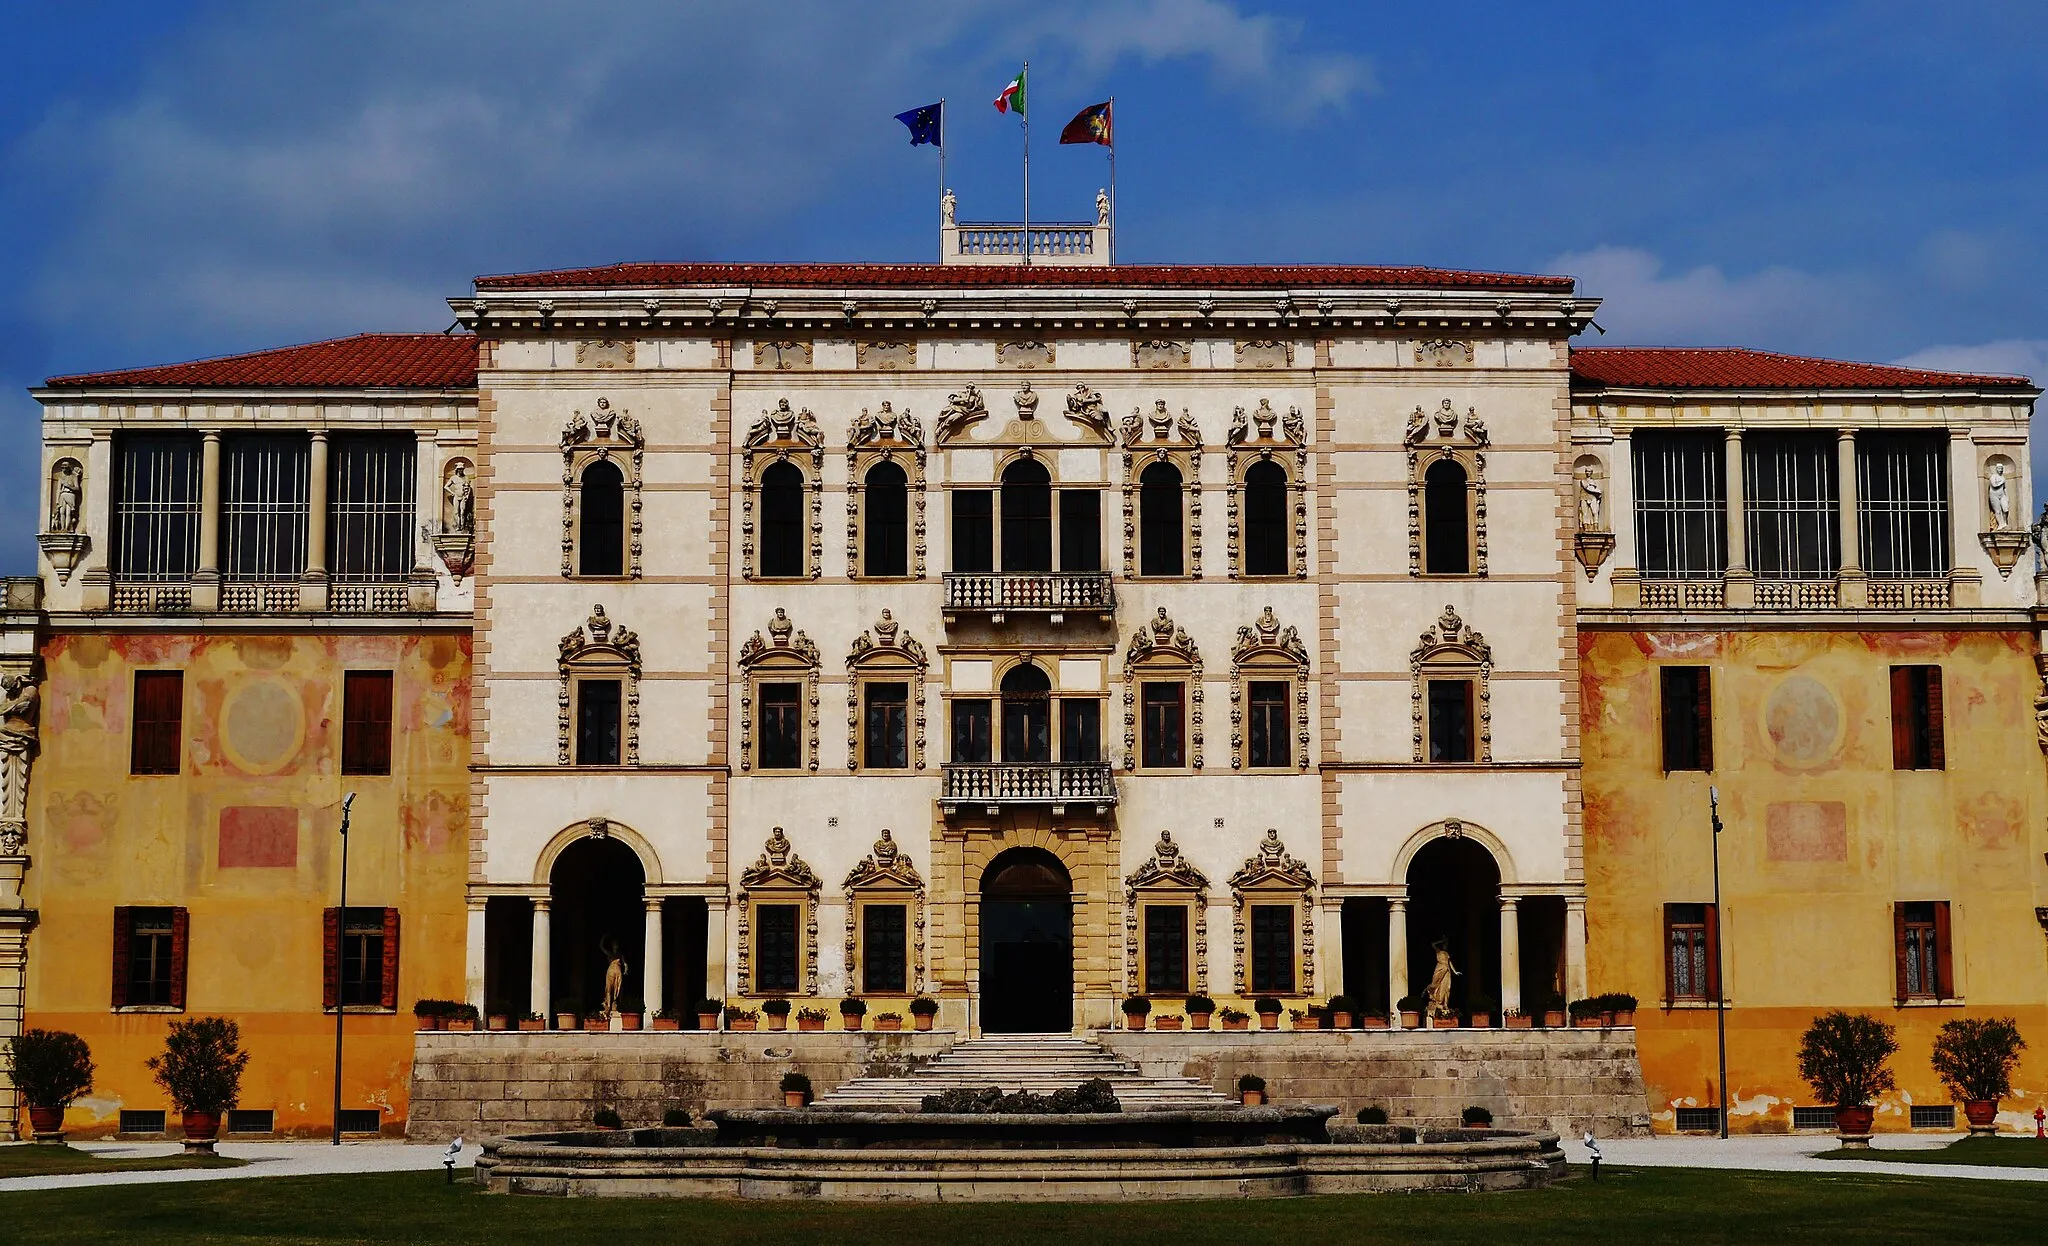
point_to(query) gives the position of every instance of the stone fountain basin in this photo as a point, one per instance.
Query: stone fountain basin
(1183, 1127)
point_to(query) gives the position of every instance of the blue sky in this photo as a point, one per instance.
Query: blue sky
(1863, 180)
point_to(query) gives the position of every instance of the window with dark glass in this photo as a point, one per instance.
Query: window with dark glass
(366, 722)
(1166, 949)
(158, 723)
(1791, 504)
(156, 505)
(1080, 530)
(1027, 517)
(601, 509)
(1272, 950)
(973, 530)
(885, 516)
(1902, 503)
(1027, 708)
(882, 959)
(1446, 520)
(885, 736)
(362, 957)
(1270, 733)
(1688, 717)
(775, 948)
(1920, 934)
(781, 739)
(1160, 525)
(149, 957)
(1161, 728)
(782, 522)
(370, 494)
(1681, 503)
(1917, 742)
(263, 499)
(1265, 520)
(1450, 720)
(598, 722)
(1690, 972)
(972, 732)
(1080, 730)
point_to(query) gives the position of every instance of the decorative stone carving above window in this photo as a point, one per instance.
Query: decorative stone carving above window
(1451, 650)
(782, 356)
(1266, 354)
(1084, 407)
(884, 356)
(605, 354)
(783, 435)
(1267, 651)
(885, 653)
(1166, 876)
(963, 410)
(1024, 354)
(1443, 353)
(1433, 437)
(1158, 436)
(1271, 872)
(1155, 355)
(608, 435)
(885, 874)
(1266, 436)
(888, 436)
(599, 649)
(1162, 649)
(788, 655)
(778, 875)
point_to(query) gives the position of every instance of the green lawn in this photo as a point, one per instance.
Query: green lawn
(1626, 1205)
(53, 1161)
(1996, 1152)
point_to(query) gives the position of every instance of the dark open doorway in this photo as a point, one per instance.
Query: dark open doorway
(1454, 895)
(597, 886)
(1027, 944)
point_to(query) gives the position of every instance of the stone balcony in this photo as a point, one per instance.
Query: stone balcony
(1009, 785)
(1739, 591)
(211, 595)
(1049, 594)
(1057, 244)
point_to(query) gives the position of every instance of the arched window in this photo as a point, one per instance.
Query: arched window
(885, 512)
(601, 543)
(1159, 521)
(782, 521)
(1027, 702)
(1265, 520)
(1027, 517)
(1446, 521)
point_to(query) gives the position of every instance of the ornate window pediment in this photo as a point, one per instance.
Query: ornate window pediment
(1162, 649)
(792, 436)
(779, 866)
(886, 652)
(1159, 437)
(1084, 407)
(885, 876)
(1264, 436)
(1446, 436)
(1451, 649)
(1272, 874)
(1266, 651)
(778, 875)
(599, 649)
(787, 656)
(601, 435)
(887, 436)
(1165, 877)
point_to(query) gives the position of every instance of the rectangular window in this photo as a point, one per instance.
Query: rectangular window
(1697, 1120)
(1163, 727)
(972, 721)
(886, 736)
(974, 530)
(158, 724)
(263, 501)
(1813, 1118)
(370, 505)
(1081, 730)
(1931, 1116)
(598, 721)
(361, 953)
(1688, 709)
(1920, 934)
(251, 1120)
(1902, 503)
(366, 722)
(1690, 972)
(156, 506)
(149, 957)
(142, 1121)
(1792, 504)
(1272, 949)
(1917, 742)
(782, 739)
(361, 1120)
(1681, 504)
(882, 942)
(1450, 720)
(1270, 730)
(1080, 530)
(1166, 949)
(775, 948)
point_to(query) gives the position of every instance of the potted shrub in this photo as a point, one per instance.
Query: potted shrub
(1235, 1020)
(1974, 1057)
(741, 1020)
(676, 1118)
(1449, 1021)
(597, 1023)
(1305, 1019)
(532, 1023)
(1268, 1009)
(1251, 1090)
(1482, 1012)
(1342, 1009)
(460, 1017)
(1476, 1117)
(1373, 1019)
(708, 1012)
(777, 1012)
(608, 1118)
(200, 1070)
(796, 1089)
(51, 1068)
(1585, 1014)
(810, 1020)
(1519, 1020)
(1619, 1007)
(1843, 1057)
(851, 1011)
(889, 1021)
(1167, 1021)
(1372, 1116)
(667, 1019)
(923, 1011)
(1199, 1007)
(1410, 1009)
(428, 1012)
(1551, 1005)
(1135, 1010)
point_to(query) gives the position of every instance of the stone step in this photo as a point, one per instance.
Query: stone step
(1039, 1063)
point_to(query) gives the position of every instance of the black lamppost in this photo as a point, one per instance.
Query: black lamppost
(1720, 987)
(340, 959)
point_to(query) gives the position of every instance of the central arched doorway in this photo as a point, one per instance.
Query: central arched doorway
(597, 887)
(1454, 895)
(1027, 944)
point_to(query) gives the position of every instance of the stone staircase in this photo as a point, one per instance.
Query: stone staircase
(1039, 1063)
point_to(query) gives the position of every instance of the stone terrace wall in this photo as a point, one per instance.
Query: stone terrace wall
(1566, 1080)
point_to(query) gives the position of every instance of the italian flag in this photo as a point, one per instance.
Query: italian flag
(1012, 98)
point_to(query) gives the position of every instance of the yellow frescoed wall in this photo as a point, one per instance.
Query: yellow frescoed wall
(261, 747)
(1823, 836)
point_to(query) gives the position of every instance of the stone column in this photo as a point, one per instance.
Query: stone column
(1575, 947)
(206, 579)
(650, 960)
(1967, 516)
(473, 962)
(1741, 587)
(422, 591)
(717, 946)
(313, 584)
(1397, 958)
(540, 992)
(1854, 590)
(1510, 954)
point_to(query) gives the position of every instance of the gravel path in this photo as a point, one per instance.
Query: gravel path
(1793, 1153)
(266, 1159)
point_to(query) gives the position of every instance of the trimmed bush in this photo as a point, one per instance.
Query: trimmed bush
(1973, 1057)
(1266, 1006)
(1372, 1116)
(1137, 1006)
(1843, 1057)
(851, 1007)
(1200, 1003)
(1251, 1081)
(922, 1007)
(201, 1065)
(608, 1118)
(1093, 1095)
(710, 1005)
(794, 1082)
(51, 1067)
(1476, 1117)
(676, 1118)
(777, 1007)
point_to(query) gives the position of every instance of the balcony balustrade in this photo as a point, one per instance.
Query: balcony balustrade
(1787, 595)
(1012, 784)
(1052, 593)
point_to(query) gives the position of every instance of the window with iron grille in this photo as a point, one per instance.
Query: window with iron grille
(1688, 717)
(251, 1120)
(1166, 949)
(1932, 1116)
(886, 739)
(156, 506)
(1813, 1118)
(781, 742)
(1681, 504)
(366, 722)
(1920, 937)
(775, 948)
(1162, 746)
(1272, 952)
(263, 500)
(1697, 1120)
(370, 506)
(599, 722)
(1271, 728)
(149, 957)
(1450, 720)
(362, 1120)
(883, 929)
(1792, 505)
(1917, 742)
(1902, 503)
(142, 1121)
(1690, 971)
(158, 723)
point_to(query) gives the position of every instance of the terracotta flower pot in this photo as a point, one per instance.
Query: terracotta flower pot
(596, 1025)
(427, 1024)
(778, 1023)
(809, 1025)
(499, 1021)
(1252, 1098)
(201, 1128)
(532, 1025)
(1237, 1023)
(888, 1023)
(567, 1021)
(1269, 1020)
(922, 1020)
(1553, 1020)
(1340, 1020)
(1371, 1022)
(1198, 1020)
(1308, 1023)
(460, 1024)
(707, 1020)
(1166, 1023)
(850, 1021)
(1523, 1022)
(792, 1098)
(1607, 1019)
(1585, 1023)
(1410, 1020)
(1134, 1020)
(47, 1123)
(1624, 1016)
(668, 1023)
(630, 1020)
(743, 1025)
(1854, 1122)
(1482, 1020)
(1443, 1023)
(1981, 1113)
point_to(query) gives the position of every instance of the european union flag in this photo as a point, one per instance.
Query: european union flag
(927, 125)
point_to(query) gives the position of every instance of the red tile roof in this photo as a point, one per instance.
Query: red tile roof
(367, 360)
(1179, 276)
(1663, 367)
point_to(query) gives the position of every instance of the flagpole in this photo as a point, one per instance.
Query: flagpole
(942, 179)
(1112, 179)
(1025, 78)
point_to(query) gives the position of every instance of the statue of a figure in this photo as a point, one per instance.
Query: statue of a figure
(946, 205)
(614, 974)
(1440, 982)
(64, 494)
(1102, 207)
(461, 498)
(2041, 542)
(1591, 499)
(1999, 497)
(20, 702)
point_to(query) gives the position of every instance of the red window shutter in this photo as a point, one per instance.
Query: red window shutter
(1945, 983)
(1902, 718)
(366, 722)
(1705, 722)
(181, 930)
(124, 940)
(390, 998)
(1713, 951)
(1670, 983)
(1936, 755)
(1899, 948)
(330, 950)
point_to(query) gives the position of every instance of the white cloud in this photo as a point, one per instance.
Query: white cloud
(2009, 357)
(1773, 307)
